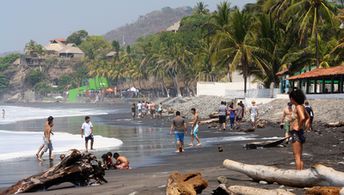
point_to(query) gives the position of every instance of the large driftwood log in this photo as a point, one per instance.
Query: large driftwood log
(182, 184)
(264, 144)
(245, 190)
(208, 121)
(318, 175)
(77, 168)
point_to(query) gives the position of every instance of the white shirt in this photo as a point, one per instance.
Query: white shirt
(87, 128)
(139, 106)
(254, 110)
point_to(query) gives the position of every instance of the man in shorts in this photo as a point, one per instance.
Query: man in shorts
(287, 118)
(179, 128)
(222, 115)
(139, 109)
(194, 127)
(122, 162)
(87, 131)
(47, 141)
(254, 114)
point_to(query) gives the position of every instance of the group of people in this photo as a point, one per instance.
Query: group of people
(229, 114)
(121, 162)
(179, 128)
(144, 108)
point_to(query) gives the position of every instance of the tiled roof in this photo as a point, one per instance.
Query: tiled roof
(320, 72)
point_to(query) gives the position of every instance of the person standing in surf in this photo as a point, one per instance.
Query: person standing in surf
(300, 122)
(194, 128)
(179, 127)
(87, 131)
(47, 144)
(3, 113)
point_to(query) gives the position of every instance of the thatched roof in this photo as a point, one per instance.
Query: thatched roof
(111, 54)
(55, 47)
(174, 27)
(71, 49)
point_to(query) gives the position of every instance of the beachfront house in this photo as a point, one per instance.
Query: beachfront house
(321, 81)
(60, 48)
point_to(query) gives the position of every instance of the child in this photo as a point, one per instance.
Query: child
(87, 131)
(121, 161)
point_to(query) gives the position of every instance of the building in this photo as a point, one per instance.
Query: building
(174, 28)
(60, 48)
(320, 80)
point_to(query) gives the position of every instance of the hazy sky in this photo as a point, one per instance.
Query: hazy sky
(42, 20)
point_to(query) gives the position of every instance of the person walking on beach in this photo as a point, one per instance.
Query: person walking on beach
(287, 117)
(87, 131)
(239, 113)
(3, 113)
(301, 121)
(139, 109)
(243, 109)
(47, 144)
(194, 128)
(309, 109)
(133, 111)
(179, 128)
(231, 113)
(254, 114)
(160, 110)
(222, 115)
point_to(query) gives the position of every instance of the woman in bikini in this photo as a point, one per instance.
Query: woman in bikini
(300, 121)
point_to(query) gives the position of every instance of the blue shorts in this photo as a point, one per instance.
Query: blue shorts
(195, 130)
(179, 136)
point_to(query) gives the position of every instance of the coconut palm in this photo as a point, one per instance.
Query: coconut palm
(201, 8)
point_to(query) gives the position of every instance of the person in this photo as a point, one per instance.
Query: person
(231, 113)
(152, 109)
(133, 110)
(107, 160)
(301, 121)
(47, 144)
(254, 114)
(87, 131)
(310, 112)
(160, 110)
(243, 109)
(239, 113)
(222, 115)
(179, 127)
(139, 109)
(194, 128)
(3, 113)
(62, 156)
(122, 162)
(286, 118)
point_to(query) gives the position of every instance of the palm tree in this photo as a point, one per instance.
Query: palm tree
(201, 8)
(307, 13)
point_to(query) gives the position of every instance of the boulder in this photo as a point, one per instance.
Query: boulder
(185, 184)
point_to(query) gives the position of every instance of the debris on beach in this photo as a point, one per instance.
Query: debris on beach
(231, 190)
(80, 169)
(265, 144)
(335, 124)
(317, 175)
(190, 183)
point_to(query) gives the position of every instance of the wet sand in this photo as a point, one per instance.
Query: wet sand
(325, 147)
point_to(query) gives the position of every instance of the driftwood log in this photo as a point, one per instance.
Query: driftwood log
(317, 175)
(264, 144)
(182, 184)
(324, 191)
(336, 124)
(214, 115)
(209, 121)
(78, 168)
(245, 190)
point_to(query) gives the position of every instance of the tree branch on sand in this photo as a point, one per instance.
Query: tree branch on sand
(317, 175)
(80, 169)
(222, 189)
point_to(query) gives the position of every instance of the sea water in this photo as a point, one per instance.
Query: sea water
(20, 144)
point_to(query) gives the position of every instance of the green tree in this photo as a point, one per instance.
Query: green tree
(8, 60)
(34, 49)
(4, 82)
(201, 8)
(95, 47)
(77, 37)
(34, 77)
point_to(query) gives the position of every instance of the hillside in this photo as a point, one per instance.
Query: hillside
(151, 23)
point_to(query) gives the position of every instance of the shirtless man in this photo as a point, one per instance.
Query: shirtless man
(179, 127)
(47, 141)
(194, 127)
(121, 161)
(287, 118)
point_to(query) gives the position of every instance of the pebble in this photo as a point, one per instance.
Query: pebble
(222, 179)
(263, 182)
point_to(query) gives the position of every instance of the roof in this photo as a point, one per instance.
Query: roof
(71, 49)
(55, 47)
(111, 54)
(320, 72)
(282, 72)
(62, 40)
(174, 27)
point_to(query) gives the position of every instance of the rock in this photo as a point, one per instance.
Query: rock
(263, 182)
(190, 184)
(221, 190)
(222, 180)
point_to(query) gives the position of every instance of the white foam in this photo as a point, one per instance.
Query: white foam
(230, 138)
(19, 144)
(16, 113)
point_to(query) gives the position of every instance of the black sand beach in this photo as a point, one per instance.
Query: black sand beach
(153, 163)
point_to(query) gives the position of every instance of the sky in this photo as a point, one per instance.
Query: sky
(42, 20)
